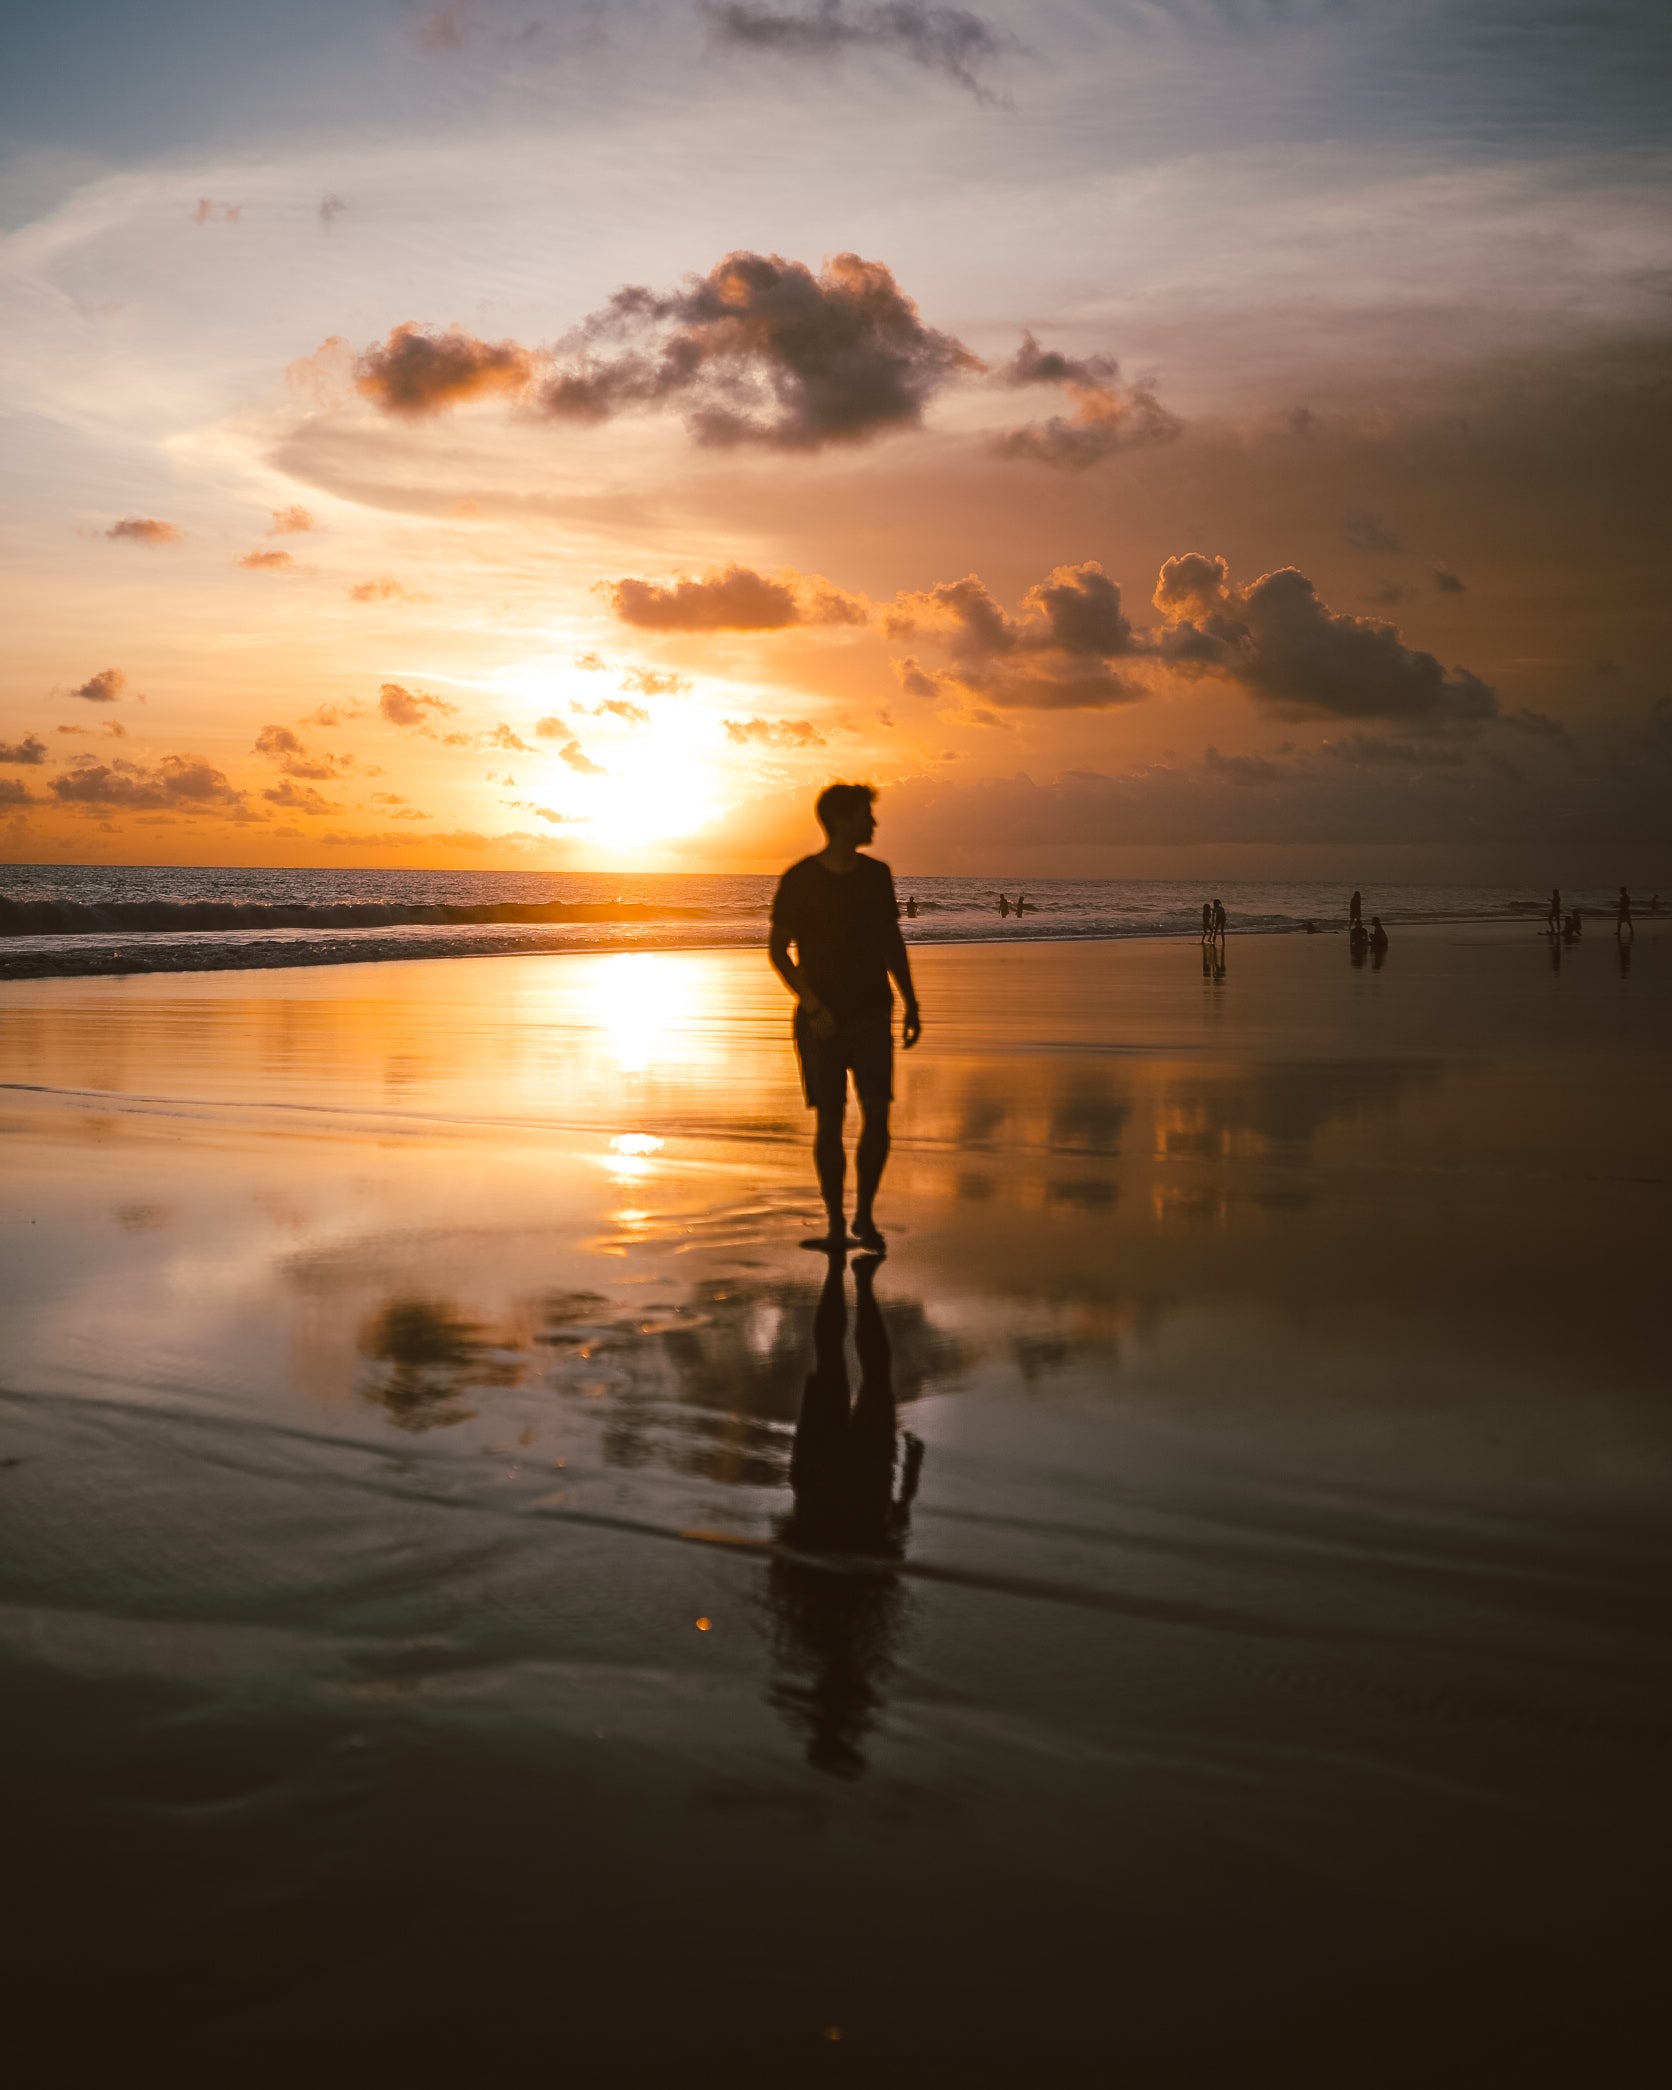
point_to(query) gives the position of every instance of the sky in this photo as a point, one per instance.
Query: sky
(1222, 437)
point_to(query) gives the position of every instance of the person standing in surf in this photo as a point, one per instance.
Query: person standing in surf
(839, 910)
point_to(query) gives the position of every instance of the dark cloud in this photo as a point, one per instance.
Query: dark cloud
(266, 562)
(1367, 532)
(1447, 582)
(331, 208)
(761, 351)
(776, 732)
(105, 687)
(1300, 659)
(146, 530)
(1108, 414)
(112, 729)
(739, 599)
(279, 744)
(1065, 651)
(299, 798)
(415, 373)
(291, 522)
(12, 793)
(410, 707)
(1245, 769)
(178, 783)
(951, 41)
(28, 753)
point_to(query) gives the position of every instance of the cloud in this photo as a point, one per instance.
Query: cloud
(619, 707)
(27, 753)
(1300, 659)
(105, 687)
(146, 530)
(778, 732)
(12, 793)
(593, 663)
(415, 373)
(1447, 582)
(299, 798)
(578, 759)
(761, 351)
(279, 744)
(739, 599)
(266, 562)
(649, 682)
(291, 522)
(1066, 650)
(1108, 415)
(179, 783)
(527, 805)
(1367, 532)
(209, 212)
(385, 590)
(551, 729)
(1245, 769)
(111, 729)
(331, 208)
(410, 707)
(951, 41)
(502, 736)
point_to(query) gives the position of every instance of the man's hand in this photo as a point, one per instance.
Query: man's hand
(911, 1027)
(819, 1019)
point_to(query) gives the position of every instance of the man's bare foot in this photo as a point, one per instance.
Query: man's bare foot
(868, 1235)
(837, 1243)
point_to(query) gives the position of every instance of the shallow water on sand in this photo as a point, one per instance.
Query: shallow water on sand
(1226, 1628)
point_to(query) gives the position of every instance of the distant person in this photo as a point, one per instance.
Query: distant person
(838, 909)
(1207, 920)
(1219, 918)
(1553, 921)
(1654, 903)
(1358, 943)
(1004, 907)
(1622, 914)
(1571, 931)
(1355, 909)
(911, 909)
(1310, 927)
(1022, 906)
(1378, 937)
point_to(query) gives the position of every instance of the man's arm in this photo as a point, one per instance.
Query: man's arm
(778, 950)
(899, 964)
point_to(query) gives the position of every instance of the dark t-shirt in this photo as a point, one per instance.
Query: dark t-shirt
(845, 928)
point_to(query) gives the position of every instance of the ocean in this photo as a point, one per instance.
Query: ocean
(91, 918)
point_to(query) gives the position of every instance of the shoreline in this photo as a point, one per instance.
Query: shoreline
(254, 957)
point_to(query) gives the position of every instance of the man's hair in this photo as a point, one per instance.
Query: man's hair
(842, 802)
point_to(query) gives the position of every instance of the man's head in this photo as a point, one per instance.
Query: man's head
(844, 812)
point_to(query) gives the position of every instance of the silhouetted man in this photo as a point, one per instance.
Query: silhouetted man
(1355, 909)
(838, 909)
(1554, 918)
(1218, 917)
(1622, 914)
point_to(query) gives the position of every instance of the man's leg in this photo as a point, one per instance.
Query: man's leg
(831, 1162)
(871, 1160)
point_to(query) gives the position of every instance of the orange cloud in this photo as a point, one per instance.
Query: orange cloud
(415, 373)
(410, 707)
(146, 530)
(105, 687)
(738, 599)
(291, 522)
(266, 562)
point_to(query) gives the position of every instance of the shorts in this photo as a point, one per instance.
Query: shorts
(864, 1044)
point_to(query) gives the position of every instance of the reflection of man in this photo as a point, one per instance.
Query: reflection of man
(838, 909)
(836, 1624)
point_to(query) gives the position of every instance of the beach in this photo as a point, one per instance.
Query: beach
(421, 1653)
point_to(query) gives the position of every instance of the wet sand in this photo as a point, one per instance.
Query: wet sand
(427, 1647)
